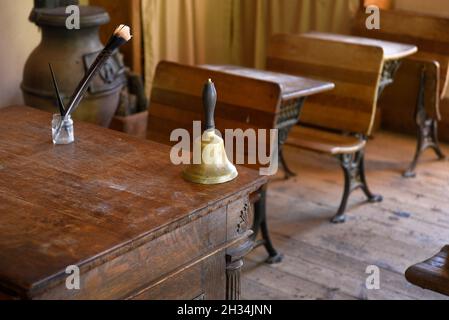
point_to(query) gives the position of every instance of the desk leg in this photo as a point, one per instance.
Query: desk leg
(288, 173)
(260, 223)
(283, 135)
(233, 288)
(234, 264)
(288, 118)
(427, 131)
(387, 77)
(353, 166)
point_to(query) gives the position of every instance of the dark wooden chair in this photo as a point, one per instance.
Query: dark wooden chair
(422, 81)
(432, 274)
(242, 103)
(337, 122)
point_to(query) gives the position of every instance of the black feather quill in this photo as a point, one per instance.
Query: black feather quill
(120, 36)
(58, 95)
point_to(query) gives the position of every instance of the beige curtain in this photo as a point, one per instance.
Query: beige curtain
(231, 31)
(257, 20)
(186, 31)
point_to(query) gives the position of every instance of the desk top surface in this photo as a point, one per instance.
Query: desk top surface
(292, 87)
(392, 50)
(76, 204)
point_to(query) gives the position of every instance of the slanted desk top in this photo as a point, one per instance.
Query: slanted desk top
(86, 203)
(292, 87)
(392, 50)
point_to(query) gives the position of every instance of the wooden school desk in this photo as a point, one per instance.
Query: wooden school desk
(294, 91)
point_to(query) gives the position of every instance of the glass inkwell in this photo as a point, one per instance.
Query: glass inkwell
(62, 129)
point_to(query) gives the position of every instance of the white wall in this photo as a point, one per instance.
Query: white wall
(19, 38)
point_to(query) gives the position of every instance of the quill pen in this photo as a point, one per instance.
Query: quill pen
(58, 95)
(121, 35)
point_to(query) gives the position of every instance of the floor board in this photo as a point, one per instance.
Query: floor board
(325, 261)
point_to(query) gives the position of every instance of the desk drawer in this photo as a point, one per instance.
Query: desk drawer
(122, 276)
(205, 280)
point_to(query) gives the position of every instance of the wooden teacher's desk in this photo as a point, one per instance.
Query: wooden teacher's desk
(116, 208)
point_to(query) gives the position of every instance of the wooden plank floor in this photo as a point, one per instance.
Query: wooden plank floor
(326, 261)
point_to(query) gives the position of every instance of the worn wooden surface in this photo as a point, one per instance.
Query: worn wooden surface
(432, 274)
(392, 50)
(325, 261)
(292, 87)
(111, 204)
(355, 69)
(324, 142)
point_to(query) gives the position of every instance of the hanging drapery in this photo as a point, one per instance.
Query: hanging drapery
(256, 20)
(187, 31)
(231, 31)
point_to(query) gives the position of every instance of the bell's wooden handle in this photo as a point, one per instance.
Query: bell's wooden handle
(209, 103)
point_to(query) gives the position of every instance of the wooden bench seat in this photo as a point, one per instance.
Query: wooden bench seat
(348, 111)
(324, 142)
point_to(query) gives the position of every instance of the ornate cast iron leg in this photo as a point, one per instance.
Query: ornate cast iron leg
(353, 166)
(436, 142)
(260, 223)
(388, 72)
(288, 118)
(288, 173)
(427, 135)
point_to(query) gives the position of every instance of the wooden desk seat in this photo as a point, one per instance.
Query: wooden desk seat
(242, 103)
(342, 119)
(324, 142)
(432, 274)
(422, 82)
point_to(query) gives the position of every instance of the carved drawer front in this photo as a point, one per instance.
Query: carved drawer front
(203, 281)
(239, 218)
(139, 268)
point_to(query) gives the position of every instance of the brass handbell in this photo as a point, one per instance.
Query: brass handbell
(213, 165)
